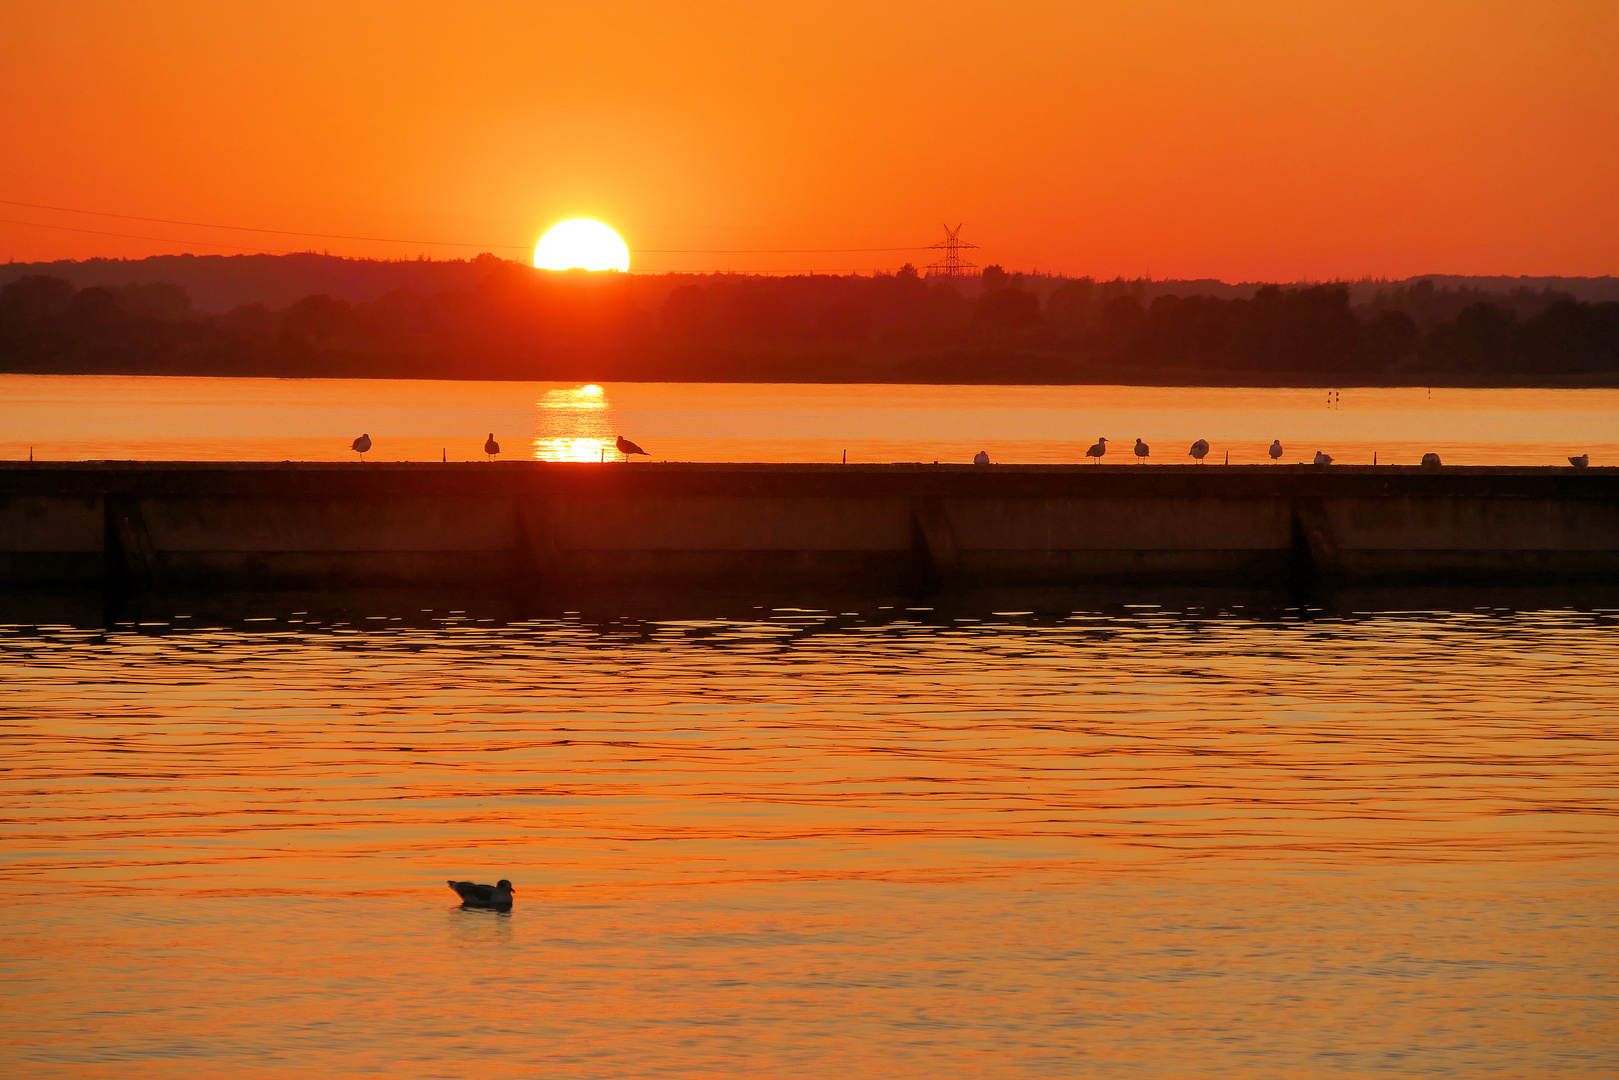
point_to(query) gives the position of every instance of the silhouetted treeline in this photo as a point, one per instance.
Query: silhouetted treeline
(517, 323)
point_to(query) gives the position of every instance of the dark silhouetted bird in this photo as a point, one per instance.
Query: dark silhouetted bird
(498, 895)
(981, 458)
(1580, 462)
(1200, 450)
(1323, 459)
(490, 446)
(361, 445)
(1431, 461)
(627, 448)
(1142, 449)
(1275, 449)
(1097, 451)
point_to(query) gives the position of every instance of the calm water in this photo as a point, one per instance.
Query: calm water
(863, 842)
(79, 417)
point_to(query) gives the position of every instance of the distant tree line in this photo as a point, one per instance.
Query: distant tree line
(518, 323)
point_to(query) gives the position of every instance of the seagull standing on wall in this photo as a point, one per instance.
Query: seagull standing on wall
(1142, 449)
(490, 446)
(361, 445)
(1200, 450)
(1276, 449)
(627, 448)
(1097, 451)
(981, 458)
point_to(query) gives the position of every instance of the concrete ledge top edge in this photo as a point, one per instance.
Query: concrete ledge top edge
(818, 468)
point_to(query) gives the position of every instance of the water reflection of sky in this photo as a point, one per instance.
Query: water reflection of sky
(83, 417)
(572, 424)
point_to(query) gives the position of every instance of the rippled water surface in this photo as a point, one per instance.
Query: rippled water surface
(765, 842)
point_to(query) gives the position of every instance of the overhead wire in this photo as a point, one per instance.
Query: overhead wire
(388, 239)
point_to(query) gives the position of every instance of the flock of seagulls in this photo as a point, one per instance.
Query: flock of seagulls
(1199, 450)
(492, 449)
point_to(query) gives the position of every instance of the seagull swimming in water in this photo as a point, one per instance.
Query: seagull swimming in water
(497, 896)
(361, 445)
(1098, 450)
(627, 448)
(1323, 459)
(490, 446)
(1142, 449)
(981, 458)
(1275, 449)
(1580, 462)
(1200, 450)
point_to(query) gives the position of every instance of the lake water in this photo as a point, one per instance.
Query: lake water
(126, 417)
(865, 841)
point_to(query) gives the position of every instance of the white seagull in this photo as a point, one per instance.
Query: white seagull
(1580, 462)
(981, 458)
(361, 445)
(1142, 449)
(1275, 449)
(1098, 450)
(1199, 450)
(497, 896)
(490, 446)
(1323, 459)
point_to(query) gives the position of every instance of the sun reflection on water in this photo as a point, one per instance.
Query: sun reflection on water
(569, 449)
(572, 424)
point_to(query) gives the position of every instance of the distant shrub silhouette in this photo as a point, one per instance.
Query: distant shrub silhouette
(514, 322)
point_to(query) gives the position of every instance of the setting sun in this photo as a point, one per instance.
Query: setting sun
(581, 244)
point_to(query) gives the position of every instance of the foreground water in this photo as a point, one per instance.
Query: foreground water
(865, 841)
(75, 417)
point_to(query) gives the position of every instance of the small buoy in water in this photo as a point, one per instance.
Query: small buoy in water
(1431, 461)
(1323, 459)
(981, 458)
(1580, 462)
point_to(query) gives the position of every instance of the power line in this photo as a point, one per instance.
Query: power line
(246, 228)
(395, 240)
(770, 251)
(154, 239)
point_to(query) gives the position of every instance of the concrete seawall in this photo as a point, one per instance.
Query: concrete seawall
(894, 526)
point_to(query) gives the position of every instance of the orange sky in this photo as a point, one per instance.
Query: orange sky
(1241, 141)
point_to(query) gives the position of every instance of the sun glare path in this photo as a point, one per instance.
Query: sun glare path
(581, 244)
(570, 449)
(573, 424)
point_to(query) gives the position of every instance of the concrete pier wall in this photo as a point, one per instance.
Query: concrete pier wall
(898, 526)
